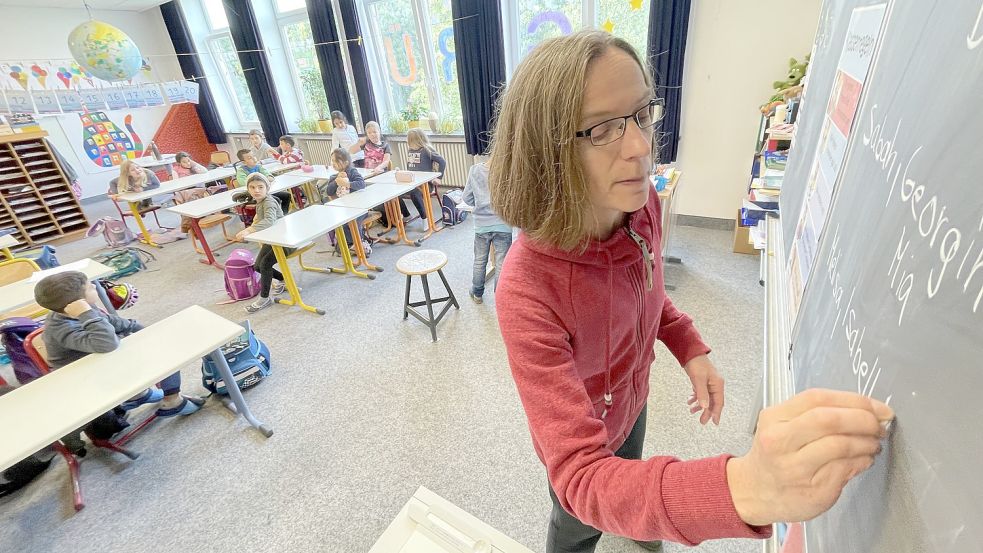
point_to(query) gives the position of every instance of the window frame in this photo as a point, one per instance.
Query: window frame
(285, 20)
(208, 19)
(210, 44)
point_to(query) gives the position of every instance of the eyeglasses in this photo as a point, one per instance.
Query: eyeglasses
(613, 129)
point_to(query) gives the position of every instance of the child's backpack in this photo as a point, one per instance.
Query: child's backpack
(43, 256)
(247, 356)
(241, 280)
(13, 331)
(125, 261)
(448, 205)
(114, 231)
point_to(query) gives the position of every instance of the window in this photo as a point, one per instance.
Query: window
(224, 52)
(283, 6)
(412, 46)
(527, 23)
(215, 11)
(306, 73)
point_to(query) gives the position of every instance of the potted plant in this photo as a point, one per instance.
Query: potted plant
(313, 90)
(447, 125)
(397, 124)
(307, 125)
(412, 114)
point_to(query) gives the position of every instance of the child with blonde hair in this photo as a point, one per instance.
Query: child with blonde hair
(421, 156)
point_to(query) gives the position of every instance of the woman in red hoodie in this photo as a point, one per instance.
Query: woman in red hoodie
(581, 302)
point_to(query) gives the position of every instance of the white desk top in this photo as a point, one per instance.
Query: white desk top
(8, 241)
(419, 177)
(149, 162)
(277, 168)
(429, 523)
(203, 207)
(54, 405)
(324, 172)
(182, 183)
(302, 227)
(21, 293)
(371, 196)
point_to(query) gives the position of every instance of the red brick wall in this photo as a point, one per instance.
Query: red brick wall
(180, 131)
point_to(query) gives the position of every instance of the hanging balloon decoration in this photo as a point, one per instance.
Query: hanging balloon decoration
(40, 74)
(65, 76)
(105, 51)
(450, 57)
(398, 77)
(18, 74)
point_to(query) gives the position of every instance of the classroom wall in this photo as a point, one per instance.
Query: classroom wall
(734, 51)
(38, 34)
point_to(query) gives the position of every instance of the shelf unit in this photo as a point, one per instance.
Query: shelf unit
(35, 197)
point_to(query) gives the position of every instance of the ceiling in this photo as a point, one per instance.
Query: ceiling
(127, 5)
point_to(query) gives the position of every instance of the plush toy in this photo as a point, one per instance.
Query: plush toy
(796, 71)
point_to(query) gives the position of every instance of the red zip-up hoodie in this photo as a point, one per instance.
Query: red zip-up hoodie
(580, 330)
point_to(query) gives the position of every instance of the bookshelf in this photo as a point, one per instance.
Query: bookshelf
(35, 197)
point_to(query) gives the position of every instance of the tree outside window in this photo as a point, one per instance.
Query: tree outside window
(627, 19)
(227, 60)
(307, 74)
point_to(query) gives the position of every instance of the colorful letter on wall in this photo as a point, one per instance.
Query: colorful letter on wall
(557, 18)
(449, 57)
(405, 80)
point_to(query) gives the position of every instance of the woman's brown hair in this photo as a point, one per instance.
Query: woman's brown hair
(536, 177)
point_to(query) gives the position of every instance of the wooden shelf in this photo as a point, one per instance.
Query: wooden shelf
(38, 202)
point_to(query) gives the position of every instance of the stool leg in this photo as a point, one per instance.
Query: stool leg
(448, 288)
(406, 303)
(431, 322)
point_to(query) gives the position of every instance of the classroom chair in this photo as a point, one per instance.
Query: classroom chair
(16, 270)
(422, 263)
(34, 347)
(220, 158)
(125, 212)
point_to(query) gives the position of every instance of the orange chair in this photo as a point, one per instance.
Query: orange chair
(34, 347)
(220, 158)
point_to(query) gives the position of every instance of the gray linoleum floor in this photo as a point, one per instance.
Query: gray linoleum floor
(365, 409)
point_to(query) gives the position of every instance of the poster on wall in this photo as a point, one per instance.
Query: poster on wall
(101, 140)
(152, 95)
(19, 101)
(114, 98)
(856, 58)
(191, 91)
(174, 91)
(134, 96)
(92, 99)
(45, 101)
(70, 100)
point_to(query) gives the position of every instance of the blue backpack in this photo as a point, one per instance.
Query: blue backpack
(247, 356)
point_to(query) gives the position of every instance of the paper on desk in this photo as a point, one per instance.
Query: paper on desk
(74, 266)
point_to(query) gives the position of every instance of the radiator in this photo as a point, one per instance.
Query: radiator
(317, 151)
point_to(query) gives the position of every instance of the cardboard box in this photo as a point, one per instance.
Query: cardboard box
(742, 237)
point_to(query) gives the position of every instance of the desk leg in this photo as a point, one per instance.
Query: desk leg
(230, 384)
(135, 209)
(200, 233)
(104, 297)
(288, 278)
(6, 252)
(360, 249)
(346, 256)
(298, 197)
(428, 207)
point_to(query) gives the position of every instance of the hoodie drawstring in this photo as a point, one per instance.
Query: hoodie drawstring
(608, 396)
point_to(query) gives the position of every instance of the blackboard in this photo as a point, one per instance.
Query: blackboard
(894, 306)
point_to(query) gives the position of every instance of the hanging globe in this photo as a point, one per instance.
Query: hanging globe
(105, 51)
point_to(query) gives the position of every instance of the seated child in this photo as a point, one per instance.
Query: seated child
(250, 165)
(421, 156)
(347, 180)
(288, 152)
(378, 158)
(184, 166)
(133, 178)
(260, 148)
(268, 211)
(75, 329)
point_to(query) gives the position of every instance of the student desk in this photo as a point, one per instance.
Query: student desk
(203, 207)
(8, 241)
(429, 523)
(320, 173)
(168, 187)
(299, 230)
(379, 194)
(421, 179)
(18, 294)
(150, 162)
(52, 406)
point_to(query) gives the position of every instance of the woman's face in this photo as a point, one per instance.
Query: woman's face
(338, 123)
(255, 140)
(136, 172)
(373, 133)
(257, 189)
(618, 173)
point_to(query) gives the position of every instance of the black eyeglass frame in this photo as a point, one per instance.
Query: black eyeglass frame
(586, 133)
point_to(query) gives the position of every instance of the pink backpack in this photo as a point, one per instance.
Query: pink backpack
(241, 280)
(114, 231)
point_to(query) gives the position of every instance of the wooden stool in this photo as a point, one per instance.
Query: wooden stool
(421, 263)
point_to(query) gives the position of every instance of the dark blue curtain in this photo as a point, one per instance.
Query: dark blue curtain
(245, 35)
(328, 49)
(360, 64)
(668, 27)
(177, 27)
(480, 57)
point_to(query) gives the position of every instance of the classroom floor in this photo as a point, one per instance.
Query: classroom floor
(365, 409)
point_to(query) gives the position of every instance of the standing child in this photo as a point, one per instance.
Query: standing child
(75, 328)
(346, 181)
(489, 229)
(268, 211)
(288, 152)
(421, 156)
(345, 136)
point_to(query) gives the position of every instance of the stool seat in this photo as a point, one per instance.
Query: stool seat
(421, 262)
